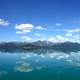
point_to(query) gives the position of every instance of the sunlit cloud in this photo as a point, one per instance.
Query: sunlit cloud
(68, 34)
(37, 34)
(52, 39)
(19, 32)
(24, 28)
(59, 38)
(58, 24)
(74, 30)
(40, 28)
(4, 22)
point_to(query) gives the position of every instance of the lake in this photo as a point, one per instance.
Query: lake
(34, 66)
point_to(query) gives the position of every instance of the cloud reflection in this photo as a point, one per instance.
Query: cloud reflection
(23, 67)
(2, 73)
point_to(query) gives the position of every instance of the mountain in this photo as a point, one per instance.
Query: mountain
(39, 46)
(67, 47)
(42, 43)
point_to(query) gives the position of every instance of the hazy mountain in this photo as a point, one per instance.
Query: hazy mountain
(42, 43)
(39, 45)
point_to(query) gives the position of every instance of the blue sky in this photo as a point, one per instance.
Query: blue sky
(31, 20)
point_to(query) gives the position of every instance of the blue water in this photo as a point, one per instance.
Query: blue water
(33, 66)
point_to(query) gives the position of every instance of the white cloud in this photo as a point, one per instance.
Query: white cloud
(42, 39)
(40, 28)
(24, 28)
(52, 39)
(64, 39)
(25, 31)
(68, 34)
(37, 34)
(19, 32)
(77, 30)
(26, 38)
(76, 38)
(4, 22)
(59, 38)
(58, 24)
(74, 30)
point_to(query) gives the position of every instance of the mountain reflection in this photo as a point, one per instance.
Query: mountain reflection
(37, 51)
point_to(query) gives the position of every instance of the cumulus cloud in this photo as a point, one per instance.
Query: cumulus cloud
(39, 28)
(52, 39)
(63, 38)
(74, 35)
(59, 38)
(24, 28)
(42, 39)
(4, 22)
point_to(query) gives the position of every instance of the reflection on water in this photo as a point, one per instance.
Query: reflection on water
(38, 51)
(32, 66)
(2, 73)
(23, 67)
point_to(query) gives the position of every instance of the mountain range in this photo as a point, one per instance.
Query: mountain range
(39, 45)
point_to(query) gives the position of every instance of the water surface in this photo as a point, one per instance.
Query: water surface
(35, 66)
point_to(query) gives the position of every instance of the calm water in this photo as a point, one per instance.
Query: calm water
(32, 66)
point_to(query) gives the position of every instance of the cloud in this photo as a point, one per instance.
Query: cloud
(52, 39)
(4, 22)
(58, 24)
(26, 38)
(76, 38)
(37, 34)
(59, 38)
(24, 28)
(74, 30)
(19, 32)
(68, 35)
(64, 39)
(42, 39)
(39, 28)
